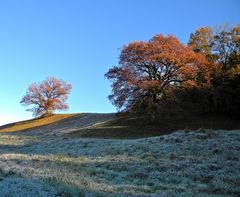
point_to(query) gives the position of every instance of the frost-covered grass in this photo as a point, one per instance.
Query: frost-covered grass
(185, 163)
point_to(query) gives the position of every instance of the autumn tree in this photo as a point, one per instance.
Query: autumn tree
(47, 96)
(227, 46)
(148, 70)
(202, 41)
(223, 46)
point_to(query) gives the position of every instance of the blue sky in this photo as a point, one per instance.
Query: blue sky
(78, 41)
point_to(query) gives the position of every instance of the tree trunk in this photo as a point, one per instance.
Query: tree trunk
(47, 113)
(154, 106)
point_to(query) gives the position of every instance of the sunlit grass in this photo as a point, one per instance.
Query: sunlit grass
(28, 124)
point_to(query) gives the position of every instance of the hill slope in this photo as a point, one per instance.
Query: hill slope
(49, 157)
(119, 126)
(58, 123)
(33, 123)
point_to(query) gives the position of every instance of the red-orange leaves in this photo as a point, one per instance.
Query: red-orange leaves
(147, 69)
(48, 96)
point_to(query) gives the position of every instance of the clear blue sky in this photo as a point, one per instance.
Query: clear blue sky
(78, 41)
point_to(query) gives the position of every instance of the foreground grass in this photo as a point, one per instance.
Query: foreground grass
(184, 163)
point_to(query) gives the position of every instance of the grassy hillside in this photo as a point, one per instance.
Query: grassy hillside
(122, 126)
(125, 126)
(33, 123)
(47, 157)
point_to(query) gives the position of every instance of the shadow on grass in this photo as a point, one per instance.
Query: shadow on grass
(132, 126)
(129, 125)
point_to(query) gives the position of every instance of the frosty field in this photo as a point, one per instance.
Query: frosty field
(184, 163)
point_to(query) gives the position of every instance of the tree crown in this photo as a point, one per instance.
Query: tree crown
(47, 96)
(147, 70)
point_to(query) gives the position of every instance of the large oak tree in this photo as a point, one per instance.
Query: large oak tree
(47, 96)
(147, 70)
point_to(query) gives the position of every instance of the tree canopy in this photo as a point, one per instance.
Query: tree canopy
(147, 70)
(47, 96)
(222, 47)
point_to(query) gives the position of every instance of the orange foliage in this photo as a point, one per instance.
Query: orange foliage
(48, 96)
(147, 69)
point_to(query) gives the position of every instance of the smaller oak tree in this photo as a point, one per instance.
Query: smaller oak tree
(47, 96)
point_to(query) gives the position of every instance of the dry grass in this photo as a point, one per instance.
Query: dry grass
(38, 122)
